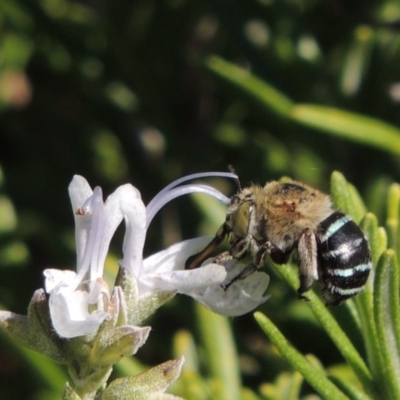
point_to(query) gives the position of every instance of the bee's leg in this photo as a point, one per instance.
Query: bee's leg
(257, 263)
(250, 269)
(197, 259)
(277, 255)
(240, 247)
(238, 250)
(223, 257)
(308, 263)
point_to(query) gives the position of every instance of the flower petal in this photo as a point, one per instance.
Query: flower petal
(175, 256)
(69, 313)
(79, 191)
(126, 203)
(165, 270)
(240, 298)
(187, 280)
(91, 265)
(55, 277)
(134, 212)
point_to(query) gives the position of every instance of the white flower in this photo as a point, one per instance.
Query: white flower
(79, 301)
(165, 270)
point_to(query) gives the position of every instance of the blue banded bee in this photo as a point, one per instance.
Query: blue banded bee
(284, 218)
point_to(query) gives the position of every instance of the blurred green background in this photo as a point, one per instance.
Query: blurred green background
(131, 91)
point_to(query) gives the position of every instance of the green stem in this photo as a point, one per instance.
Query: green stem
(314, 376)
(334, 331)
(387, 321)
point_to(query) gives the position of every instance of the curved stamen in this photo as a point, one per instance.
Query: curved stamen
(188, 178)
(155, 206)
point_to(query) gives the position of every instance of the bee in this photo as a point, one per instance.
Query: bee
(284, 218)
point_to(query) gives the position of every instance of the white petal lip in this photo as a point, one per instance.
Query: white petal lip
(185, 281)
(164, 271)
(69, 313)
(69, 308)
(175, 256)
(54, 277)
(240, 298)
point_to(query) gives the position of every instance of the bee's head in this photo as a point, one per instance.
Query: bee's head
(239, 212)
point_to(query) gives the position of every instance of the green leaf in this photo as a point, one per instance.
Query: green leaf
(286, 387)
(346, 198)
(148, 385)
(184, 344)
(392, 219)
(387, 320)
(69, 393)
(314, 376)
(136, 309)
(347, 125)
(368, 328)
(110, 345)
(16, 50)
(364, 301)
(357, 60)
(47, 371)
(247, 394)
(129, 367)
(352, 391)
(35, 331)
(329, 120)
(290, 386)
(376, 236)
(222, 359)
(343, 343)
(190, 384)
(257, 89)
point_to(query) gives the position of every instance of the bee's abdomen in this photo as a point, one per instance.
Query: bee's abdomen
(344, 258)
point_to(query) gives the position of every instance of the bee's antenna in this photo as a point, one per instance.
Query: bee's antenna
(237, 181)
